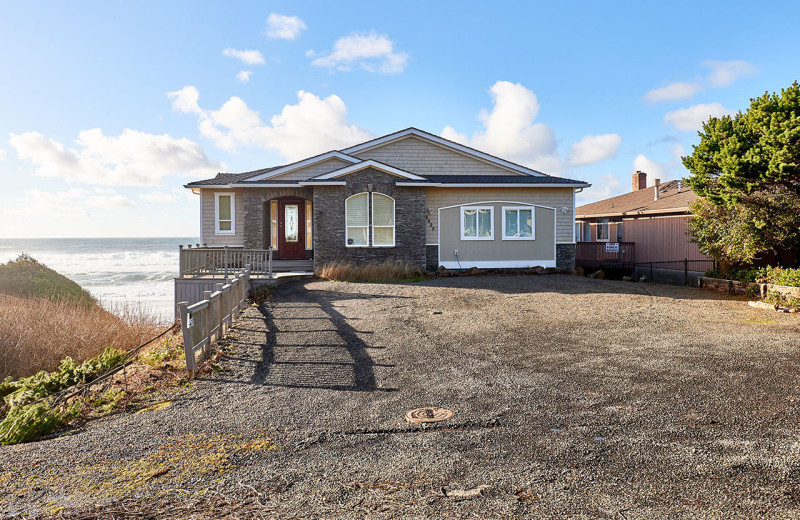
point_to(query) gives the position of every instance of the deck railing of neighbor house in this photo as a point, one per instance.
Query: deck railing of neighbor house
(605, 254)
(210, 318)
(222, 261)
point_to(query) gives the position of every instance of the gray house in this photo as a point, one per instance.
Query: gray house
(408, 196)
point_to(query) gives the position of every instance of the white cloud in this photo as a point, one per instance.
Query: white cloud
(673, 91)
(3, 155)
(284, 27)
(594, 148)
(248, 57)
(244, 76)
(73, 202)
(312, 126)
(692, 118)
(509, 131)
(131, 159)
(158, 197)
(653, 169)
(370, 51)
(607, 186)
(724, 73)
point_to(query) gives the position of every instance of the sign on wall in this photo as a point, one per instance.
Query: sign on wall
(612, 247)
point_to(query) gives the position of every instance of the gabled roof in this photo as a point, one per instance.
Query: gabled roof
(369, 163)
(496, 180)
(335, 154)
(670, 200)
(441, 141)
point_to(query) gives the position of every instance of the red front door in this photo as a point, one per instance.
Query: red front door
(291, 229)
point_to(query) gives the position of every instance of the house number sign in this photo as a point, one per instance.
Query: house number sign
(612, 247)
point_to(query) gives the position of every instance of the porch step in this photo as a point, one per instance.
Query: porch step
(285, 266)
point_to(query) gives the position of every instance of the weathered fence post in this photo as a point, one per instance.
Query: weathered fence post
(180, 261)
(220, 313)
(685, 271)
(226, 262)
(270, 261)
(208, 323)
(188, 346)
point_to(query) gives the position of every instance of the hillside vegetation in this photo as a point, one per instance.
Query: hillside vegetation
(46, 317)
(27, 278)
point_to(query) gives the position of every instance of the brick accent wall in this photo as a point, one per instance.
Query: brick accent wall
(329, 221)
(255, 236)
(565, 256)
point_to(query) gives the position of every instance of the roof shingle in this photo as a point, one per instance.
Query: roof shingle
(640, 201)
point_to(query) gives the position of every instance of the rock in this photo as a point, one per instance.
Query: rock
(761, 305)
(551, 270)
(598, 275)
(443, 271)
(472, 271)
(644, 279)
(465, 493)
(627, 278)
(578, 271)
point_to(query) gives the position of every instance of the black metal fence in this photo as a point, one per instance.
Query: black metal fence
(674, 271)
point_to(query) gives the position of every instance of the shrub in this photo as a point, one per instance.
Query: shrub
(374, 273)
(779, 276)
(742, 275)
(27, 278)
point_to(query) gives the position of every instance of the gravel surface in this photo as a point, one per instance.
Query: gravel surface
(572, 397)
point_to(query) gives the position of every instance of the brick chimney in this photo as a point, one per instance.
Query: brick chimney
(639, 181)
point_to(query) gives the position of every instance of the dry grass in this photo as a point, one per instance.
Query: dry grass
(375, 273)
(37, 334)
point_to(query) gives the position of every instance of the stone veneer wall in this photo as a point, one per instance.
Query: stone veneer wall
(432, 257)
(329, 221)
(565, 256)
(254, 218)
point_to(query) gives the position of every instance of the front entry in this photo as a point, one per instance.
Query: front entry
(291, 229)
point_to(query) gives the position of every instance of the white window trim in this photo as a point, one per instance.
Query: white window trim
(533, 222)
(599, 224)
(491, 221)
(347, 226)
(217, 230)
(372, 220)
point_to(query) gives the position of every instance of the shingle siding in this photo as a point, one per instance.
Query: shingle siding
(207, 233)
(424, 158)
(551, 197)
(313, 170)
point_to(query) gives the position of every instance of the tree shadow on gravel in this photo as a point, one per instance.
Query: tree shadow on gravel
(327, 353)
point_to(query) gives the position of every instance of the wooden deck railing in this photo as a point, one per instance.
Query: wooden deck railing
(605, 254)
(211, 317)
(221, 261)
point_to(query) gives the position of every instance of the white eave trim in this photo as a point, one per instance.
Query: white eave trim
(484, 202)
(634, 213)
(489, 185)
(370, 163)
(306, 162)
(441, 142)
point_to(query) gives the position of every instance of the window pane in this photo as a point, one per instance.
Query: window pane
(484, 223)
(382, 210)
(511, 222)
(291, 214)
(356, 236)
(470, 223)
(225, 225)
(273, 229)
(356, 210)
(308, 225)
(225, 207)
(383, 236)
(525, 223)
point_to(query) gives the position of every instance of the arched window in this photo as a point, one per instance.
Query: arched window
(382, 220)
(356, 213)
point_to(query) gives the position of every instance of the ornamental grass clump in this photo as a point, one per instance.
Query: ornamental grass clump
(371, 273)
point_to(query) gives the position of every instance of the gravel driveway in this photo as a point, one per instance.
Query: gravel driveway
(572, 397)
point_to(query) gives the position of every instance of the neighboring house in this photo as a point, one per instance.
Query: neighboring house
(408, 196)
(652, 219)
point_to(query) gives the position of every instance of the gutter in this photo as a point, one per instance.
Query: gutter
(634, 213)
(489, 185)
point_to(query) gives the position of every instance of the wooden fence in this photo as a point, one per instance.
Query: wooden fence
(222, 261)
(212, 317)
(605, 254)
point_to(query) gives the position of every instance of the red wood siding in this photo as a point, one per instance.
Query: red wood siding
(661, 239)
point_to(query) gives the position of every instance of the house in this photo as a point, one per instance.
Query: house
(649, 225)
(408, 196)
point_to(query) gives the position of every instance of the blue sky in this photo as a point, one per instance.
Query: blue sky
(108, 108)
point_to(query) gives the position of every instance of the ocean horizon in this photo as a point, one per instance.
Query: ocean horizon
(117, 271)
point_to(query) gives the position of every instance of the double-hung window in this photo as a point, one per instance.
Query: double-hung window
(360, 227)
(356, 209)
(602, 230)
(518, 223)
(224, 211)
(382, 220)
(477, 223)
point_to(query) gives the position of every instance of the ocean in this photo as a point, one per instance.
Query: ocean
(127, 271)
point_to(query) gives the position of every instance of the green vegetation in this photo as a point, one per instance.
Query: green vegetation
(27, 278)
(779, 276)
(746, 168)
(30, 413)
(742, 275)
(782, 300)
